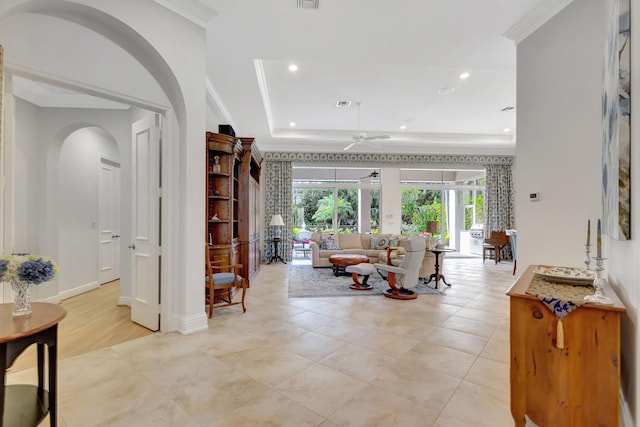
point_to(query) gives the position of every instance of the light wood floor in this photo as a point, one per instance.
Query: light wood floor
(93, 321)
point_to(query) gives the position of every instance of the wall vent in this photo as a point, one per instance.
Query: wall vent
(343, 104)
(508, 108)
(308, 4)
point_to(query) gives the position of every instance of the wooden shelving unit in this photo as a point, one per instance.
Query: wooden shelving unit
(223, 159)
(233, 201)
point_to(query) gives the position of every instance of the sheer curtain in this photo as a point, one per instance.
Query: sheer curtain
(278, 190)
(499, 212)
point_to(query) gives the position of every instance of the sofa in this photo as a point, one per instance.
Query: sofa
(374, 246)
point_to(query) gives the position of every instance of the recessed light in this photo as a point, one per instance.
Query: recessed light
(293, 67)
(292, 124)
(403, 127)
(343, 104)
(445, 90)
(464, 75)
(507, 130)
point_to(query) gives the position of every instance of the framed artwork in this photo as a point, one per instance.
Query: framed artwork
(616, 124)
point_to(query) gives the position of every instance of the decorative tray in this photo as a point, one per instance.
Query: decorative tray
(569, 275)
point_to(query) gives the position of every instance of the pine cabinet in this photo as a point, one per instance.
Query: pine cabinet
(576, 385)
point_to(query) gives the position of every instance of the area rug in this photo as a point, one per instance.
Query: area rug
(308, 282)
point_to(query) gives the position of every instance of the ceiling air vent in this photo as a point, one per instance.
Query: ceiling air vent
(508, 108)
(343, 104)
(308, 4)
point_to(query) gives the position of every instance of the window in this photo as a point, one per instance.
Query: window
(448, 199)
(335, 200)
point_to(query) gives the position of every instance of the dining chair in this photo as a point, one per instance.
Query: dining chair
(222, 282)
(494, 243)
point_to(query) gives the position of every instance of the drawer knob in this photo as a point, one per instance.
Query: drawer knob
(537, 314)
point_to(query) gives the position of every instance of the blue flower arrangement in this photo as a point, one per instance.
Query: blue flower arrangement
(29, 268)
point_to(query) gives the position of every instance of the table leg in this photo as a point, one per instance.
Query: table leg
(437, 276)
(40, 368)
(3, 366)
(53, 375)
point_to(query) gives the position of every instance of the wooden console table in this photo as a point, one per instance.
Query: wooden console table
(577, 385)
(27, 405)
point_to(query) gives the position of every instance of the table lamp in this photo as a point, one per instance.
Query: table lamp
(277, 222)
(432, 227)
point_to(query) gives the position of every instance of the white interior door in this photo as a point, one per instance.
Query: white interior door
(145, 248)
(109, 218)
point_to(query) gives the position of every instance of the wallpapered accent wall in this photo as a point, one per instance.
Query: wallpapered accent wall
(278, 185)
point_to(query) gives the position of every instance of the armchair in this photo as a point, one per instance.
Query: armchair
(405, 276)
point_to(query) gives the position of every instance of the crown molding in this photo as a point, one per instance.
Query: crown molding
(533, 20)
(192, 10)
(215, 102)
(264, 92)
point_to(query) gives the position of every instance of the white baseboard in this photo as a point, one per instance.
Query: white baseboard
(78, 290)
(189, 325)
(124, 301)
(626, 420)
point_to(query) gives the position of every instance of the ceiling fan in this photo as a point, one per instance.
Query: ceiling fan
(361, 137)
(373, 174)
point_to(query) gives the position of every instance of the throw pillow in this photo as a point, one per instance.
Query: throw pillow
(329, 244)
(394, 241)
(379, 243)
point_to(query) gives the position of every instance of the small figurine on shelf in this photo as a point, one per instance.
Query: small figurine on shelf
(215, 217)
(216, 164)
(216, 193)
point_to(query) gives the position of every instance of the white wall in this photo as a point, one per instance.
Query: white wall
(41, 173)
(78, 259)
(171, 51)
(559, 155)
(52, 47)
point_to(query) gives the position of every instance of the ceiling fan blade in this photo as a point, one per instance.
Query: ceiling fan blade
(371, 138)
(348, 147)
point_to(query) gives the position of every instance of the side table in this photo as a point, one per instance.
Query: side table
(27, 405)
(437, 275)
(276, 254)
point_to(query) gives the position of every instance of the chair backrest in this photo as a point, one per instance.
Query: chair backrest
(208, 270)
(498, 238)
(412, 261)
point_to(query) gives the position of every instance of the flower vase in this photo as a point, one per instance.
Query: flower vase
(21, 298)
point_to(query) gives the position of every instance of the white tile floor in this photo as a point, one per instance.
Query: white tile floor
(439, 360)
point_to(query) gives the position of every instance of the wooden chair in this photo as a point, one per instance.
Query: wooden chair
(495, 243)
(221, 285)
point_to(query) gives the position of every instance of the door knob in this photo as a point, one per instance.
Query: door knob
(132, 246)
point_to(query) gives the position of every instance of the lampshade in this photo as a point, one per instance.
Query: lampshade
(432, 227)
(276, 220)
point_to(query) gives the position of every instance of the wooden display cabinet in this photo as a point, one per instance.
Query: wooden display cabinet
(223, 158)
(233, 201)
(577, 385)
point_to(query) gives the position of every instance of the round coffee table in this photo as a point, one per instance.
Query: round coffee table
(340, 261)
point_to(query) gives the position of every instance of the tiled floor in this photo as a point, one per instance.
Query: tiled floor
(439, 360)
